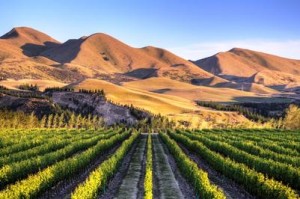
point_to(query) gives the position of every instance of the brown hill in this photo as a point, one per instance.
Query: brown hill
(9, 51)
(19, 57)
(34, 54)
(31, 41)
(99, 52)
(26, 53)
(249, 66)
(175, 107)
(175, 67)
(102, 53)
(187, 91)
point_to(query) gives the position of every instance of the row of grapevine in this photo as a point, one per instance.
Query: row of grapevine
(49, 146)
(18, 170)
(293, 145)
(34, 138)
(256, 183)
(197, 177)
(15, 137)
(11, 136)
(265, 153)
(148, 184)
(253, 148)
(97, 180)
(272, 136)
(26, 143)
(279, 171)
(35, 184)
(266, 144)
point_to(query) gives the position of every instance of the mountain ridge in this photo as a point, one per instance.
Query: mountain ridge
(243, 65)
(26, 53)
(94, 55)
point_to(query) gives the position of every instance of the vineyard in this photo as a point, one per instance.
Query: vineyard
(122, 163)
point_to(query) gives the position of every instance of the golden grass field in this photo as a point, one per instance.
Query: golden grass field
(176, 107)
(42, 84)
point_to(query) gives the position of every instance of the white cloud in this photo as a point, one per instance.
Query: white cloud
(289, 48)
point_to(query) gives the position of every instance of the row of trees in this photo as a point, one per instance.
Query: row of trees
(291, 119)
(29, 87)
(68, 119)
(3, 88)
(247, 112)
(155, 123)
(23, 94)
(53, 89)
(99, 92)
(11, 119)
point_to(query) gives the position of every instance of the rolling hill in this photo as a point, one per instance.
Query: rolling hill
(35, 54)
(30, 41)
(150, 78)
(178, 108)
(187, 91)
(247, 66)
(104, 54)
(20, 58)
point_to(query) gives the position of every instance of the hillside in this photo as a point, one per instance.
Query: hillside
(188, 91)
(104, 54)
(20, 58)
(32, 42)
(36, 55)
(42, 84)
(242, 65)
(178, 108)
(149, 78)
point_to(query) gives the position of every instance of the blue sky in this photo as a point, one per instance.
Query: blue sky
(190, 28)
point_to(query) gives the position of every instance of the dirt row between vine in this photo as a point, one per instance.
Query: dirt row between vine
(168, 182)
(115, 182)
(133, 183)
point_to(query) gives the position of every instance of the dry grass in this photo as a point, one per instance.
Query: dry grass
(87, 56)
(187, 91)
(156, 103)
(176, 108)
(246, 63)
(42, 84)
(98, 54)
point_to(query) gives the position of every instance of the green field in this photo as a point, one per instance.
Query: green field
(120, 163)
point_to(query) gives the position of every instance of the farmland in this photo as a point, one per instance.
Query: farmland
(126, 163)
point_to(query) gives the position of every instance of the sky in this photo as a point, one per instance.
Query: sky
(192, 29)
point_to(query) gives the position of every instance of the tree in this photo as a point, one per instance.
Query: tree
(61, 120)
(292, 118)
(50, 121)
(94, 121)
(43, 121)
(77, 121)
(15, 122)
(55, 121)
(72, 120)
(89, 122)
(32, 120)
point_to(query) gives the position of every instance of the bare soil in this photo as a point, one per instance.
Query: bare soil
(185, 187)
(132, 186)
(115, 182)
(179, 188)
